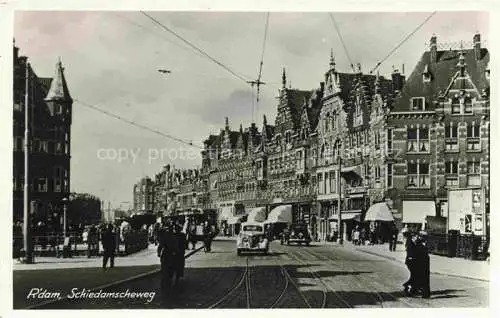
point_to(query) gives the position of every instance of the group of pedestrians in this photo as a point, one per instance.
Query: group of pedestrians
(418, 263)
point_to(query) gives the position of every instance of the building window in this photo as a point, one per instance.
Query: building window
(278, 139)
(417, 103)
(467, 106)
(367, 173)
(418, 140)
(462, 104)
(44, 146)
(333, 184)
(321, 184)
(455, 106)
(59, 148)
(19, 144)
(288, 137)
(41, 184)
(389, 175)
(389, 140)
(473, 173)
(377, 174)
(298, 160)
(451, 137)
(473, 137)
(451, 173)
(58, 175)
(418, 175)
(376, 139)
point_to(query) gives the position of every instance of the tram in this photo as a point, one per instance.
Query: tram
(196, 219)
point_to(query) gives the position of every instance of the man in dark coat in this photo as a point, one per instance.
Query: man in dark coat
(109, 246)
(207, 233)
(168, 252)
(423, 265)
(181, 246)
(411, 262)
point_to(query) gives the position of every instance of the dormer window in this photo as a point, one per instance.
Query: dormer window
(278, 139)
(426, 75)
(487, 72)
(417, 103)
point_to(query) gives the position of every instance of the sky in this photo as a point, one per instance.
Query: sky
(111, 61)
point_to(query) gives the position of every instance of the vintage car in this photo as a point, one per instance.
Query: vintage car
(252, 238)
(296, 233)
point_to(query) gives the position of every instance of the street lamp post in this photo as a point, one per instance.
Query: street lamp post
(28, 244)
(65, 210)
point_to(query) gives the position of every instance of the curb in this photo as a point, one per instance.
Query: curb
(125, 280)
(394, 259)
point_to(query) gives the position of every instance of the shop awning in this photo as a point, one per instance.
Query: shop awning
(416, 211)
(225, 213)
(353, 170)
(257, 215)
(280, 214)
(379, 212)
(234, 220)
(347, 216)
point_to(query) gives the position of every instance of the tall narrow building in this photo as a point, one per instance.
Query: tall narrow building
(50, 107)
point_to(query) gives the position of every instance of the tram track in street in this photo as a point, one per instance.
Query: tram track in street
(325, 288)
(232, 291)
(375, 290)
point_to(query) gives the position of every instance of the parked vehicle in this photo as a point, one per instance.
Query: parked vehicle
(296, 233)
(252, 238)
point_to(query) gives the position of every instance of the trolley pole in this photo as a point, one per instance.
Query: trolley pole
(340, 238)
(28, 244)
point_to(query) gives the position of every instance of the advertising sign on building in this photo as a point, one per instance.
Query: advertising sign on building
(466, 211)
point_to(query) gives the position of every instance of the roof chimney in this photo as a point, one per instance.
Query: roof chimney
(477, 46)
(433, 49)
(398, 81)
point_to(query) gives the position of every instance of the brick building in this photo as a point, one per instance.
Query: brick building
(439, 129)
(50, 106)
(287, 151)
(144, 195)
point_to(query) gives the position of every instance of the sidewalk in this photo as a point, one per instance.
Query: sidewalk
(61, 275)
(141, 258)
(479, 270)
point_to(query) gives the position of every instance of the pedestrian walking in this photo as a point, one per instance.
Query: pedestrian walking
(355, 235)
(109, 245)
(168, 250)
(423, 265)
(207, 234)
(362, 235)
(393, 238)
(192, 233)
(181, 245)
(411, 263)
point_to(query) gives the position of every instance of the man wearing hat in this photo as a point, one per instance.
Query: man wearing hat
(423, 265)
(168, 251)
(411, 261)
